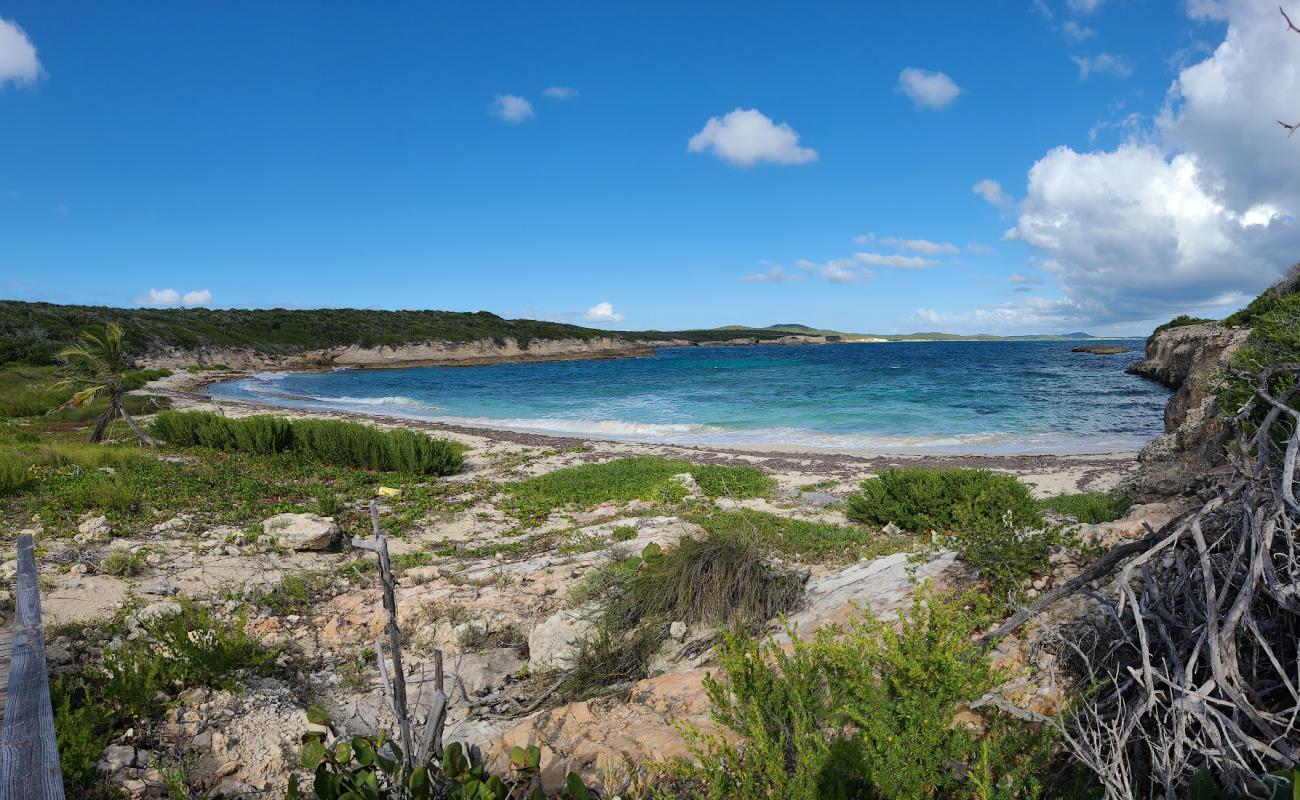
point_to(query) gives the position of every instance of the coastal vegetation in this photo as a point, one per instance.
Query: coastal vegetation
(881, 706)
(34, 333)
(1088, 507)
(921, 500)
(1180, 321)
(347, 444)
(638, 478)
(865, 709)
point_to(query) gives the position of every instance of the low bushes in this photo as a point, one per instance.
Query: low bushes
(1089, 507)
(335, 442)
(991, 520)
(1180, 321)
(864, 710)
(943, 500)
(640, 478)
(803, 539)
(134, 680)
(720, 580)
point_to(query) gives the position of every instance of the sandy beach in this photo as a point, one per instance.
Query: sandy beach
(795, 467)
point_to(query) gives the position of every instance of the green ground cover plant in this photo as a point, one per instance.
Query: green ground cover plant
(349, 444)
(803, 539)
(864, 710)
(944, 500)
(640, 478)
(1088, 507)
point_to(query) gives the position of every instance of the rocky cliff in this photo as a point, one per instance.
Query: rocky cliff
(1186, 359)
(415, 354)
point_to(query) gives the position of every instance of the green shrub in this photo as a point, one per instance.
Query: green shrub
(1180, 321)
(802, 539)
(1005, 556)
(1270, 301)
(349, 444)
(1089, 507)
(205, 651)
(122, 562)
(640, 478)
(296, 593)
(863, 710)
(82, 731)
(327, 503)
(944, 500)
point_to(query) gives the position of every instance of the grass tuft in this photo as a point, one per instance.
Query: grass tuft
(1089, 507)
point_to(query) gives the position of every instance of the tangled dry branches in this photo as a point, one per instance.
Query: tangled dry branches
(1192, 664)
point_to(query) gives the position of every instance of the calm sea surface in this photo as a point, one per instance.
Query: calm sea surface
(964, 397)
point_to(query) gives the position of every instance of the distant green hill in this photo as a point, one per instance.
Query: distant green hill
(33, 332)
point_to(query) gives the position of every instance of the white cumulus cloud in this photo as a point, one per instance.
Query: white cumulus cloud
(1102, 64)
(602, 312)
(993, 193)
(511, 108)
(560, 92)
(928, 89)
(1196, 214)
(18, 62)
(775, 273)
(170, 298)
(746, 136)
(925, 246)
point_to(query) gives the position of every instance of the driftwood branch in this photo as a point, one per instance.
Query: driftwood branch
(1192, 663)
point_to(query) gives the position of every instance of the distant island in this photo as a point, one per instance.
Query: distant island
(34, 332)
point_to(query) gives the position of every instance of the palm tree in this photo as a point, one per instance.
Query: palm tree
(97, 365)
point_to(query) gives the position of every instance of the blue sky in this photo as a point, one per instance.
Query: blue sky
(303, 155)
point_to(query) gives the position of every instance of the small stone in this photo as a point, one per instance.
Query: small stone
(233, 550)
(677, 630)
(95, 528)
(1032, 593)
(116, 757)
(159, 586)
(1040, 584)
(302, 531)
(891, 529)
(153, 559)
(77, 570)
(201, 741)
(388, 491)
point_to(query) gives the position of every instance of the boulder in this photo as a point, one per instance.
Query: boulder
(1186, 359)
(302, 531)
(553, 643)
(93, 529)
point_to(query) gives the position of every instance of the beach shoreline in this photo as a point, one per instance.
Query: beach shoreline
(792, 464)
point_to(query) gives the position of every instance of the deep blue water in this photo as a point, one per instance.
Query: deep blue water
(975, 397)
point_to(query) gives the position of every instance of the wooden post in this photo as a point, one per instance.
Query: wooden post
(389, 586)
(29, 752)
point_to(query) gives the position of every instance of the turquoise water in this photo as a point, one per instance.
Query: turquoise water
(965, 397)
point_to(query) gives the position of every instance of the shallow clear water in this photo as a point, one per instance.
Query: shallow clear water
(969, 397)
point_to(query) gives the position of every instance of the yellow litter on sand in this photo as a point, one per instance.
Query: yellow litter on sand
(388, 491)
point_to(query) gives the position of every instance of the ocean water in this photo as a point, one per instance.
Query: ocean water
(954, 397)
